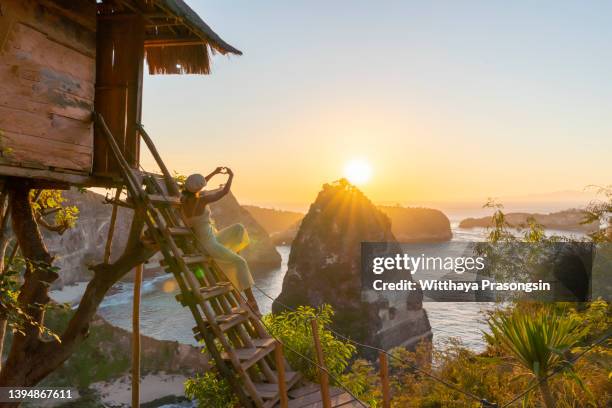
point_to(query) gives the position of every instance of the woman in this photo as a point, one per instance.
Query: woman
(222, 245)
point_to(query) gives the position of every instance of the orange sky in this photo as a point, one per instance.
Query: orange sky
(447, 103)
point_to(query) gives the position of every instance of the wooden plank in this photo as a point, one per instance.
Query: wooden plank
(305, 390)
(270, 390)
(312, 398)
(28, 44)
(351, 404)
(250, 356)
(76, 31)
(30, 97)
(35, 151)
(57, 175)
(81, 12)
(42, 83)
(52, 127)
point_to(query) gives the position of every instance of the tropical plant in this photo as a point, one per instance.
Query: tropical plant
(293, 329)
(210, 390)
(537, 341)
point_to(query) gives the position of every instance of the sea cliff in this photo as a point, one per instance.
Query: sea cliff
(324, 267)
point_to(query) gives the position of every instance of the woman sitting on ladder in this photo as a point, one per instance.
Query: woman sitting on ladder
(222, 245)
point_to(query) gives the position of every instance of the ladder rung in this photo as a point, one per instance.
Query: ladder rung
(250, 356)
(235, 311)
(210, 292)
(164, 200)
(179, 231)
(228, 321)
(191, 259)
(234, 321)
(270, 391)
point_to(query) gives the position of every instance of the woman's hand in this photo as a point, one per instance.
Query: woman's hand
(218, 170)
(228, 171)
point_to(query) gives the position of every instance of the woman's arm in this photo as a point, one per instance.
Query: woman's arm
(218, 170)
(219, 194)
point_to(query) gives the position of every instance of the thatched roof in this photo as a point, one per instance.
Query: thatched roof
(177, 40)
(191, 58)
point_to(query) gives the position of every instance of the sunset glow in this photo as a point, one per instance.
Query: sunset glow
(358, 171)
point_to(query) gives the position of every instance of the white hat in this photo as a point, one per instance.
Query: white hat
(195, 183)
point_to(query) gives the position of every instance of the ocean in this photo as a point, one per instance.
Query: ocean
(162, 317)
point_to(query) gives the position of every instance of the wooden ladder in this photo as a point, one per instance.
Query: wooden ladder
(236, 339)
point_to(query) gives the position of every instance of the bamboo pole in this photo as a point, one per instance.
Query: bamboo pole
(384, 379)
(280, 368)
(323, 376)
(136, 338)
(111, 227)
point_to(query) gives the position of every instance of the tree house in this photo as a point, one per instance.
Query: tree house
(62, 59)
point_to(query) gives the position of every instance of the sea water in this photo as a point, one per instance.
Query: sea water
(162, 317)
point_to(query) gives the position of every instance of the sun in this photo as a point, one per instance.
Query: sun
(358, 171)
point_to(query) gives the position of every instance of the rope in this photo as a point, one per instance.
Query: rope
(559, 369)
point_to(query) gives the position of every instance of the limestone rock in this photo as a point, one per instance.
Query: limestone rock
(413, 224)
(324, 267)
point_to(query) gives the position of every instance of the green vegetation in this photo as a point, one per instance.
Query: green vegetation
(294, 330)
(209, 390)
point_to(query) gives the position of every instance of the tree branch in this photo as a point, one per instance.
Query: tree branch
(53, 354)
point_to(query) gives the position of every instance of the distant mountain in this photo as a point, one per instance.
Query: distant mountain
(567, 220)
(273, 220)
(409, 224)
(418, 224)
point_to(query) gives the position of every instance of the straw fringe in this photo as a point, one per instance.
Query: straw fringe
(188, 59)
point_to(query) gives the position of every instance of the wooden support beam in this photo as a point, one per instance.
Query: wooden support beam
(111, 227)
(282, 380)
(323, 376)
(172, 43)
(136, 338)
(384, 379)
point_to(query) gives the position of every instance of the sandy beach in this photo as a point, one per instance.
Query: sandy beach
(118, 393)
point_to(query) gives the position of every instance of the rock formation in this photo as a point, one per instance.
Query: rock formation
(261, 253)
(568, 220)
(418, 224)
(324, 267)
(83, 245)
(273, 220)
(407, 224)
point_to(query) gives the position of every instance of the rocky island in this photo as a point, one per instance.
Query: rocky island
(324, 267)
(416, 224)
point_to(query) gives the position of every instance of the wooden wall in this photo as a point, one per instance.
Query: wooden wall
(47, 76)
